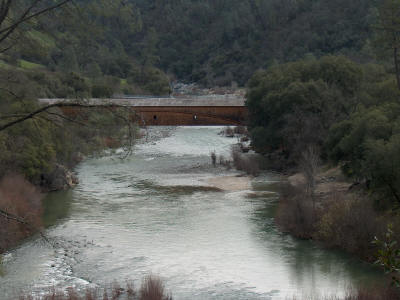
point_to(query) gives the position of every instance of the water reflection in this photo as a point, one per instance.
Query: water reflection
(56, 207)
(1, 266)
(309, 263)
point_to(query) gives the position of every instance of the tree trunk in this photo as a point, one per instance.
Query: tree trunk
(397, 67)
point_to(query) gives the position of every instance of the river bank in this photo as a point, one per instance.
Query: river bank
(21, 206)
(339, 213)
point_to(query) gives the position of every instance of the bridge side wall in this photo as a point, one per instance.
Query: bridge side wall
(191, 115)
(182, 115)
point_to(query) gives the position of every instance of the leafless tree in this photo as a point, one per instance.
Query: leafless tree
(309, 164)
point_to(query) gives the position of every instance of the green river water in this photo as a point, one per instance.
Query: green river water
(154, 213)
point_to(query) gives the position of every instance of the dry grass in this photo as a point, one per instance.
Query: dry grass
(296, 212)
(213, 156)
(242, 130)
(152, 288)
(245, 163)
(350, 222)
(339, 219)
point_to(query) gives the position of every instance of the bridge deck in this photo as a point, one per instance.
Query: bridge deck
(217, 100)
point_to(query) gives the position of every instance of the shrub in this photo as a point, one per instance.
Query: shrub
(19, 198)
(246, 163)
(101, 91)
(153, 289)
(296, 213)
(350, 223)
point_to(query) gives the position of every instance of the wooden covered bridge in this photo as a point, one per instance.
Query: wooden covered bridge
(180, 111)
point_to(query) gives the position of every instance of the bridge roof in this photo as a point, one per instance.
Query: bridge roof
(212, 100)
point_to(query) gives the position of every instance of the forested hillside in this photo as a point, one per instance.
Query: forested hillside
(213, 42)
(99, 48)
(216, 42)
(86, 49)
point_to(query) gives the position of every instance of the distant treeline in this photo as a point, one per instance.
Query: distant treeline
(219, 42)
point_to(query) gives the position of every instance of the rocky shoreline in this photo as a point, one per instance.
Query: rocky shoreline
(61, 178)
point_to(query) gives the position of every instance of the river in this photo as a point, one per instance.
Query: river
(155, 212)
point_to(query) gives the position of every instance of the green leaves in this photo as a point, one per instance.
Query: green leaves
(368, 148)
(296, 103)
(388, 255)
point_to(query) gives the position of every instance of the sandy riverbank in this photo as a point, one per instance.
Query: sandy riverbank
(231, 183)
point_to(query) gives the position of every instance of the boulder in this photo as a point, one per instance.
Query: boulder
(60, 179)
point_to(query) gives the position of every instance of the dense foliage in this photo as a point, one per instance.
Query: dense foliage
(219, 42)
(350, 111)
(91, 40)
(295, 104)
(35, 147)
(213, 42)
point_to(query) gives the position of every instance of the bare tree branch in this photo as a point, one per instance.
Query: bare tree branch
(65, 118)
(4, 10)
(12, 217)
(61, 104)
(25, 16)
(20, 220)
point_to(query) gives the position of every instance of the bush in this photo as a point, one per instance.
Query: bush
(296, 212)
(368, 146)
(350, 223)
(101, 91)
(19, 198)
(246, 163)
(153, 289)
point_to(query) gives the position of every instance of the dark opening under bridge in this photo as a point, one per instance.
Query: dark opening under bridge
(180, 111)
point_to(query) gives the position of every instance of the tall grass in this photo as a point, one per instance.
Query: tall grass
(152, 288)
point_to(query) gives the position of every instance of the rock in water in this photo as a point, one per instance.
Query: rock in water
(60, 179)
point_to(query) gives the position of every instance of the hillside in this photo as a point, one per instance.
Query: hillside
(122, 46)
(217, 42)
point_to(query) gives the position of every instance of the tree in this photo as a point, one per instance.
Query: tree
(388, 256)
(16, 13)
(389, 27)
(293, 105)
(33, 128)
(367, 146)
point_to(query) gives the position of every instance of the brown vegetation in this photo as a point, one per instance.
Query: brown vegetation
(238, 130)
(20, 207)
(333, 213)
(246, 163)
(295, 212)
(152, 289)
(213, 158)
(350, 222)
